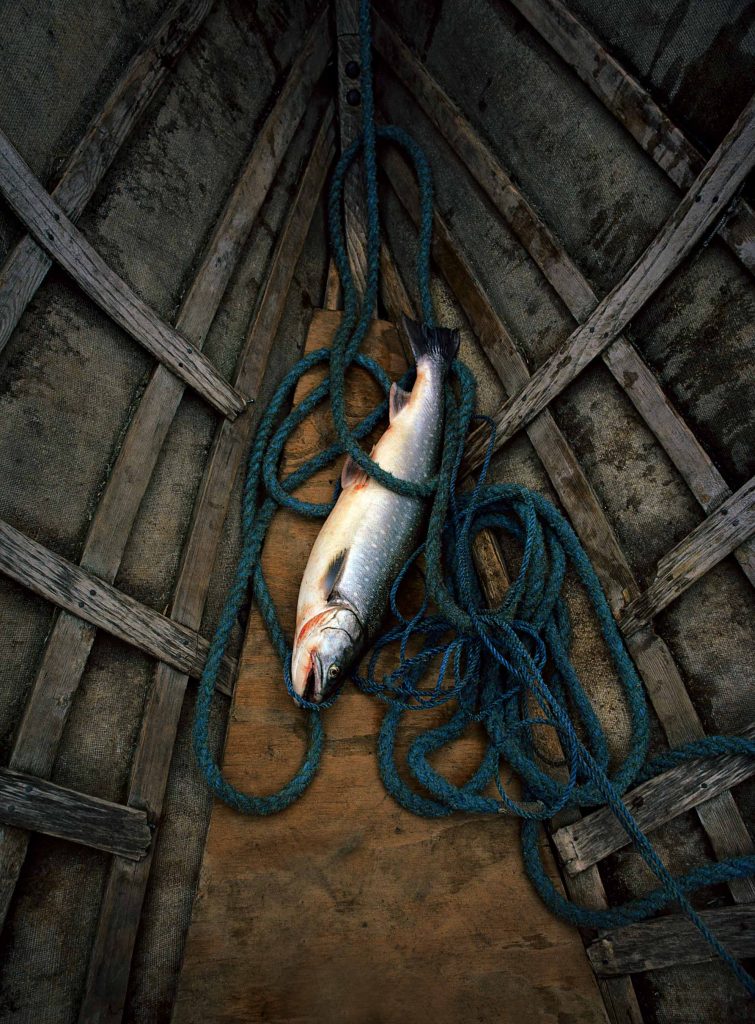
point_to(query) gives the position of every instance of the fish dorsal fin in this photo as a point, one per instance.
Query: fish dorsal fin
(352, 474)
(396, 401)
(334, 573)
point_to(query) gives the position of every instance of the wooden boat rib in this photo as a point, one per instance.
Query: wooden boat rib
(88, 595)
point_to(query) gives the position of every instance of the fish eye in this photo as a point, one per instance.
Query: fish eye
(334, 672)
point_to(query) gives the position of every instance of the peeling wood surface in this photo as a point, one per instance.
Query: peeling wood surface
(110, 961)
(708, 196)
(621, 358)
(720, 817)
(65, 243)
(339, 879)
(634, 107)
(672, 940)
(68, 586)
(705, 546)
(30, 803)
(69, 645)
(652, 804)
(27, 264)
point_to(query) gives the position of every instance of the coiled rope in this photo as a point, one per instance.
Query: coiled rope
(492, 661)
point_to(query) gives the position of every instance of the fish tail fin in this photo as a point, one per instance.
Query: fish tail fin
(437, 343)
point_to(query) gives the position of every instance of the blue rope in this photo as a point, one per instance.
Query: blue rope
(492, 661)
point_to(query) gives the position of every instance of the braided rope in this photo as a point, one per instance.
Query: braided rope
(492, 660)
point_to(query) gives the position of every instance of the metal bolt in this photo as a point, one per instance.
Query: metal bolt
(353, 97)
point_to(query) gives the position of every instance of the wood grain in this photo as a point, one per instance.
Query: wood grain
(64, 242)
(345, 887)
(672, 941)
(36, 804)
(702, 548)
(652, 804)
(27, 264)
(706, 199)
(110, 960)
(621, 358)
(719, 817)
(68, 586)
(350, 120)
(67, 649)
(635, 108)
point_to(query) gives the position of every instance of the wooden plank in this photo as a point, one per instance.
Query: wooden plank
(110, 959)
(341, 878)
(710, 193)
(720, 818)
(599, 834)
(26, 265)
(41, 806)
(702, 548)
(64, 242)
(70, 587)
(71, 639)
(635, 108)
(621, 358)
(350, 119)
(587, 889)
(671, 941)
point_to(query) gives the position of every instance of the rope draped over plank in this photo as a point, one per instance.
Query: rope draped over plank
(492, 667)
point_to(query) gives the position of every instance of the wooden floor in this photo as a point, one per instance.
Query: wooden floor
(346, 908)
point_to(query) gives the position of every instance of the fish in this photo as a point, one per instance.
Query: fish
(371, 530)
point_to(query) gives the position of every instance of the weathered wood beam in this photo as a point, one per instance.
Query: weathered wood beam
(704, 547)
(27, 264)
(587, 888)
(652, 804)
(720, 818)
(672, 941)
(64, 242)
(70, 642)
(349, 116)
(712, 190)
(41, 806)
(621, 358)
(88, 597)
(110, 960)
(635, 108)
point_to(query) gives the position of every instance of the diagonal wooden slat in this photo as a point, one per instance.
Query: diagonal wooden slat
(702, 548)
(110, 960)
(587, 888)
(26, 265)
(711, 191)
(671, 941)
(39, 805)
(621, 358)
(64, 242)
(71, 639)
(652, 804)
(635, 108)
(720, 817)
(90, 598)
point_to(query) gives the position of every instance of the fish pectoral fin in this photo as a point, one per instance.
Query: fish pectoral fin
(334, 573)
(397, 399)
(352, 474)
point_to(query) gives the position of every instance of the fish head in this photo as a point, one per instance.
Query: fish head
(326, 647)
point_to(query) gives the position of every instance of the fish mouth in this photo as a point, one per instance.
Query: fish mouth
(313, 685)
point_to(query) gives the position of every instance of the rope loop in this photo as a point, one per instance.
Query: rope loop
(505, 672)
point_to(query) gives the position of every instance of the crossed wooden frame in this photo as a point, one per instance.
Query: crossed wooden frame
(85, 593)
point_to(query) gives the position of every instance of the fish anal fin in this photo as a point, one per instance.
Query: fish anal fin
(334, 573)
(397, 399)
(352, 474)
